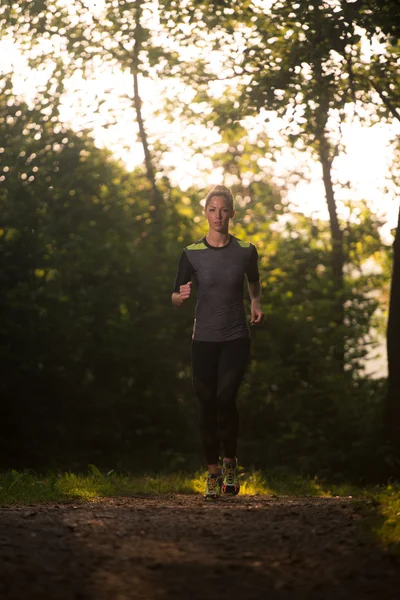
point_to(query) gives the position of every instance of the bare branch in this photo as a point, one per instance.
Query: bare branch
(102, 28)
(386, 101)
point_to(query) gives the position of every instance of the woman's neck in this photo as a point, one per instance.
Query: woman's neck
(218, 238)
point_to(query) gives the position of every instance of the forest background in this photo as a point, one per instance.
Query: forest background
(95, 362)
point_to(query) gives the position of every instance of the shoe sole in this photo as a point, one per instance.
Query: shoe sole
(230, 490)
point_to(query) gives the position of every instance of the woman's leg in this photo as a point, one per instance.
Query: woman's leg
(205, 359)
(232, 366)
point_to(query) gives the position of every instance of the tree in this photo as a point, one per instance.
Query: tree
(392, 412)
(381, 22)
(294, 62)
(78, 37)
(85, 317)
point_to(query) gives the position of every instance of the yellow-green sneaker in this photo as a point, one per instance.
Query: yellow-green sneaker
(213, 487)
(230, 481)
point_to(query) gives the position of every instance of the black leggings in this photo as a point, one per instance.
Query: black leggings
(217, 371)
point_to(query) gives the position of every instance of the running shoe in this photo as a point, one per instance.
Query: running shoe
(230, 480)
(213, 487)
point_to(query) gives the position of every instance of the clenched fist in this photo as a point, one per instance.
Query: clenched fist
(178, 298)
(184, 291)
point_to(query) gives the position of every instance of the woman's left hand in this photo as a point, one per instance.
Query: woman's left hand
(256, 313)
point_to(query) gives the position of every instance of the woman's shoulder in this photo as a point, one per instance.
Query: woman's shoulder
(243, 243)
(198, 245)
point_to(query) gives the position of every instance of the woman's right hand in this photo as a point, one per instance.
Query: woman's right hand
(184, 291)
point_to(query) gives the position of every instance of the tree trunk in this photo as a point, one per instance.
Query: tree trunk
(336, 232)
(392, 408)
(157, 196)
(337, 256)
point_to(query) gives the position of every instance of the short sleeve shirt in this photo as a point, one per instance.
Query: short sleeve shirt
(218, 273)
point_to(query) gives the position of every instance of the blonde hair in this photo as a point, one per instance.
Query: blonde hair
(220, 190)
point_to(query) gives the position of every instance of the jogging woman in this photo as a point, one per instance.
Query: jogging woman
(221, 337)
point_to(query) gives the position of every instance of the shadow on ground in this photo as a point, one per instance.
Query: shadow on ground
(177, 547)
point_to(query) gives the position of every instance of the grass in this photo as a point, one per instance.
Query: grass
(381, 514)
(28, 487)
(380, 506)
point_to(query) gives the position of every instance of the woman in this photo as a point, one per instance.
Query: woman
(221, 336)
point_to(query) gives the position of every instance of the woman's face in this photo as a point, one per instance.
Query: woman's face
(218, 213)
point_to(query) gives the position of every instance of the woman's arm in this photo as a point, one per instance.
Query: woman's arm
(255, 298)
(253, 278)
(178, 298)
(182, 287)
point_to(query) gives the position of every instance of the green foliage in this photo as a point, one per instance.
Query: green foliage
(298, 407)
(96, 362)
(27, 487)
(84, 309)
(388, 531)
(380, 512)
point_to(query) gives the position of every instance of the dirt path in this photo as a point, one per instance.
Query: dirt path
(180, 548)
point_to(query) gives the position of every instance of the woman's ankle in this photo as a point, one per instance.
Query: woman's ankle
(230, 460)
(214, 469)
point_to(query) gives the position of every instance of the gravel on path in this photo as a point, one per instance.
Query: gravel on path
(178, 547)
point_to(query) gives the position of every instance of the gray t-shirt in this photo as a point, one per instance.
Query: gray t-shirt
(219, 276)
